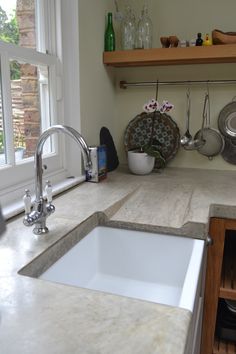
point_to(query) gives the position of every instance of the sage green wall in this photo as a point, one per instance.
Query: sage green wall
(97, 88)
(183, 18)
(103, 103)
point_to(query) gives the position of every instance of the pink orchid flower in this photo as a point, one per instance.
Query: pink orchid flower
(154, 106)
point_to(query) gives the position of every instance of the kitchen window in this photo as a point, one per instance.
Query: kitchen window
(31, 49)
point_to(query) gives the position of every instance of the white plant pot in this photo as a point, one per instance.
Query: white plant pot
(140, 163)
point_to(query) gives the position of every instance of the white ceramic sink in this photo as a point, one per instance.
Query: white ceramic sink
(147, 266)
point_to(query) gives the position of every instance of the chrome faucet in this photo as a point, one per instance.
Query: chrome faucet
(43, 208)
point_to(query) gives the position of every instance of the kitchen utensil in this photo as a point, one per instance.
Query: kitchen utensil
(165, 131)
(187, 136)
(229, 151)
(214, 142)
(194, 144)
(226, 322)
(187, 140)
(231, 304)
(227, 119)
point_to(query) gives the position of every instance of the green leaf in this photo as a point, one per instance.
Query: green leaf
(154, 152)
(156, 142)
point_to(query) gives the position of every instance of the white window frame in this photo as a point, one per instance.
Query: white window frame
(59, 61)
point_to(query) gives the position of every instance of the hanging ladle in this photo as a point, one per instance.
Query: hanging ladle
(187, 136)
(187, 140)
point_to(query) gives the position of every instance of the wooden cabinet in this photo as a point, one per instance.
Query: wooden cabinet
(220, 283)
(171, 56)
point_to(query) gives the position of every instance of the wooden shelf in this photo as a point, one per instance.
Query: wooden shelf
(224, 347)
(172, 56)
(228, 273)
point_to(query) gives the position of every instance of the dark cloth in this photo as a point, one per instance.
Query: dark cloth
(112, 157)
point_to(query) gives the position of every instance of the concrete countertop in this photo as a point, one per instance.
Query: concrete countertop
(43, 317)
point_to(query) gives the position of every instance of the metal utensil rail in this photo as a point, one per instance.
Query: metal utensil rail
(125, 84)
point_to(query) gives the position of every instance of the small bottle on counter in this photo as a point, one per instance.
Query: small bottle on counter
(199, 40)
(110, 43)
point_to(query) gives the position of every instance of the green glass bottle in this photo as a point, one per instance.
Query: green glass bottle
(110, 43)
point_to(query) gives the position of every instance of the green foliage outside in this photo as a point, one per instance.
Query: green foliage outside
(18, 141)
(9, 32)
(1, 142)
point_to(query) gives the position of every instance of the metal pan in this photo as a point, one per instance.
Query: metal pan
(214, 142)
(227, 120)
(229, 152)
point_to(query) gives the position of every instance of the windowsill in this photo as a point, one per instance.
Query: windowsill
(17, 207)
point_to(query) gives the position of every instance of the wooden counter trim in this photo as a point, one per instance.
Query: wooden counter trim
(213, 279)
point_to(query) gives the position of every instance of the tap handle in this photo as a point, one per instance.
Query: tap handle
(48, 191)
(27, 201)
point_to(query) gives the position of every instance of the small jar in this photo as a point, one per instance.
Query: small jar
(182, 43)
(192, 42)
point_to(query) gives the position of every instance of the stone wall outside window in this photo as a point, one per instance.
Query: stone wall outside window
(25, 12)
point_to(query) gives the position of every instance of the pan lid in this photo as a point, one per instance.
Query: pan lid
(227, 120)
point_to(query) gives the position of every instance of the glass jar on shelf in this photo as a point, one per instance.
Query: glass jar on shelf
(128, 30)
(144, 30)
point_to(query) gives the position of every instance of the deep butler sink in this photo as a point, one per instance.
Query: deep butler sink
(141, 265)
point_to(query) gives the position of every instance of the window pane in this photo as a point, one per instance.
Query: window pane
(17, 22)
(29, 90)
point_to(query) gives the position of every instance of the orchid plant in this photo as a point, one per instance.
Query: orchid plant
(154, 106)
(152, 148)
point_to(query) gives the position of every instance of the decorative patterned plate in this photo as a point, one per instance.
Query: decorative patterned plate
(166, 132)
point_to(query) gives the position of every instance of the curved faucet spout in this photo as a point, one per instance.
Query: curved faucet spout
(39, 150)
(42, 207)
